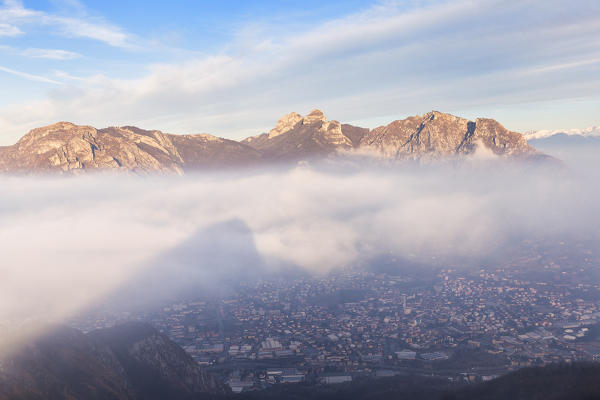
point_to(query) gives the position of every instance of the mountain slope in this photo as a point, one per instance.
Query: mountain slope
(592, 131)
(296, 137)
(64, 363)
(66, 147)
(134, 361)
(131, 361)
(563, 140)
(156, 367)
(437, 135)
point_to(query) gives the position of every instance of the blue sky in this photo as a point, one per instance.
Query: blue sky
(231, 68)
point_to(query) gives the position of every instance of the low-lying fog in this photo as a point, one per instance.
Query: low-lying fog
(67, 242)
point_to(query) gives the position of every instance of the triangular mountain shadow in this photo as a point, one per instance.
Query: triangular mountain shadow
(210, 261)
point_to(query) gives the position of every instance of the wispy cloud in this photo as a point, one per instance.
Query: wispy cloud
(386, 61)
(9, 30)
(15, 15)
(103, 32)
(53, 54)
(28, 76)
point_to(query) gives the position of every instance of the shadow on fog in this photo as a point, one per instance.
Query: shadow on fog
(306, 220)
(207, 263)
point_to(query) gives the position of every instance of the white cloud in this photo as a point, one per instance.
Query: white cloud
(101, 31)
(53, 54)
(17, 15)
(69, 242)
(28, 76)
(383, 62)
(9, 30)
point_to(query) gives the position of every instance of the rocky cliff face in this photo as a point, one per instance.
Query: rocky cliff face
(296, 137)
(63, 364)
(156, 367)
(65, 147)
(131, 361)
(436, 135)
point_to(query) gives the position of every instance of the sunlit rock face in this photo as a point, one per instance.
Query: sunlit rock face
(69, 148)
(285, 124)
(438, 135)
(296, 137)
(66, 147)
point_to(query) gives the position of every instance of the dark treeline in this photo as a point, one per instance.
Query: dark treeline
(553, 382)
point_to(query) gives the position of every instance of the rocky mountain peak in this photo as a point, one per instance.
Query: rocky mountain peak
(58, 126)
(66, 147)
(296, 137)
(436, 135)
(315, 116)
(438, 115)
(59, 130)
(286, 124)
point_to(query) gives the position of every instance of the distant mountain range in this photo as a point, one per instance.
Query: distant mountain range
(565, 141)
(129, 361)
(592, 131)
(66, 147)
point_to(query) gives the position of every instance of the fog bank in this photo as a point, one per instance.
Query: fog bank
(68, 242)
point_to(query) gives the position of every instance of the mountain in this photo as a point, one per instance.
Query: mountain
(129, 361)
(296, 137)
(436, 135)
(592, 131)
(156, 367)
(565, 140)
(65, 147)
(577, 148)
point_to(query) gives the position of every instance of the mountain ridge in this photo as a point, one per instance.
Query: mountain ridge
(68, 148)
(128, 361)
(592, 131)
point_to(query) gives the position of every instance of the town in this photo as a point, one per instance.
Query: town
(464, 325)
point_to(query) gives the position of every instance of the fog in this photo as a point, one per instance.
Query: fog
(68, 243)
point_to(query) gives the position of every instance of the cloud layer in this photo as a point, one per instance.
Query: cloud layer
(69, 242)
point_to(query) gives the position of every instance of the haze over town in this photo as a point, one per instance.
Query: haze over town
(317, 200)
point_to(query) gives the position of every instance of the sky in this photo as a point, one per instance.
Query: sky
(232, 68)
